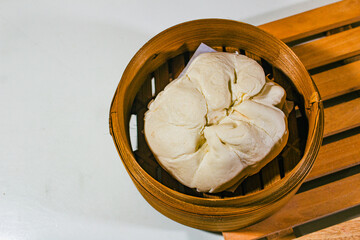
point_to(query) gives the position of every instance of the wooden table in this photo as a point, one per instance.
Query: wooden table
(327, 40)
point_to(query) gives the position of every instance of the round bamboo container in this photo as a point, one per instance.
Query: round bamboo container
(158, 62)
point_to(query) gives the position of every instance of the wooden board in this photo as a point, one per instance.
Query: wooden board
(348, 230)
(337, 155)
(304, 207)
(329, 49)
(342, 117)
(333, 54)
(338, 81)
(315, 21)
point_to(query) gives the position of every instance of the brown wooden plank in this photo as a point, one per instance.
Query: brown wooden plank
(329, 49)
(341, 117)
(336, 156)
(303, 207)
(346, 230)
(338, 81)
(315, 21)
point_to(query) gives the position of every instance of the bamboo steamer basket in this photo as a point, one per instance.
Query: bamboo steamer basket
(159, 61)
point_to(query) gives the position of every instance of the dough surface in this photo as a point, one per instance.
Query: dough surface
(218, 123)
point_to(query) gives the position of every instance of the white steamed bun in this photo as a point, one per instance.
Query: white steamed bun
(218, 123)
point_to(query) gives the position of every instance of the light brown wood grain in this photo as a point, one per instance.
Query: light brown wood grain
(329, 49)
(338, 81)
(349, 230)
(315, 21)
(341, 117)
(304, 207)
(336, 156)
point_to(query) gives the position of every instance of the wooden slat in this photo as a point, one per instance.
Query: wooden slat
(252, 184)
(329, 49)
(341, 117)
(346, 230)
(338, 81)
(285, 82)
(177, 65)
(253, 56)
(336, 156)
(218, 48)
(337, 30)
(166, 179)
(270, 173)
(291, 154)
(231, 49)
(147, 161)
(305, 206)
(142, 98)
(162, 77)
(315, 21)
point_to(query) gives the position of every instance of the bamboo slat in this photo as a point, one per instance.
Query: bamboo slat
(252, 184)
(270, 174)
(177, 65)
(315, 21)
(292, 154)
(162, 77)
(253, 56)
(231, 49)
(142, 98)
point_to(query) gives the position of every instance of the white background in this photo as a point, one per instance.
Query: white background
(60, 63)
